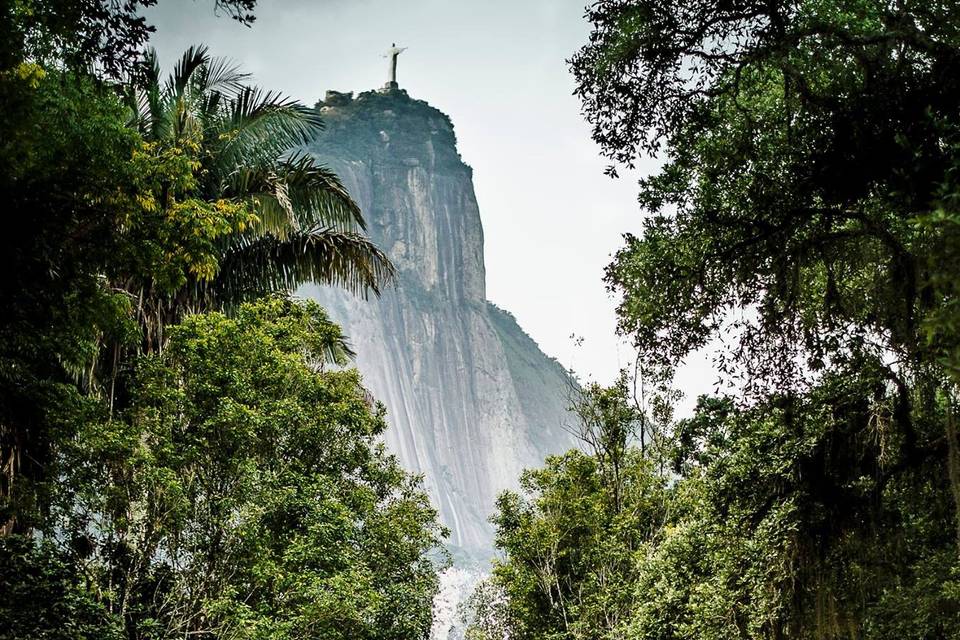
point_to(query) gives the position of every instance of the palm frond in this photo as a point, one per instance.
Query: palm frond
(339, 350)
(268, 200)
(222, 75)
(327, 343)
(151, 68)
(135, 99)
(193, 59)
(295, 194)
(318, 195)
(310, 228)
(260, 264)
(142, 96)
(257, 126)
(209, 105)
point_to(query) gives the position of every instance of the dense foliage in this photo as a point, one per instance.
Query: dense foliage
(107, 35)
(244, 493)
(811, 153)
(44, 596)
(804, 226)
(125, 220)
(786, 520)
(182, 450)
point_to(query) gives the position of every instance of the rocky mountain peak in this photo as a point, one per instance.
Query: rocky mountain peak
(471, 399)
(422, 211)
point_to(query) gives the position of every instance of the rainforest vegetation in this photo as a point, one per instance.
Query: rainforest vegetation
(804, 228)
(183, 454)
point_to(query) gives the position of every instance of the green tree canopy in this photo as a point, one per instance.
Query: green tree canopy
(806, 215)
(808, 203)
(811, 154)
(127, 216)
(107, 37)
(245, 491)
(793, 519)
(167, 475)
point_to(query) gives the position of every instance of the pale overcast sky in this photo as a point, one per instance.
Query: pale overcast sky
(551, 218)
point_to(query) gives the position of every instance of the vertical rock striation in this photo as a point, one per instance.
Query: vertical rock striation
(471, 399)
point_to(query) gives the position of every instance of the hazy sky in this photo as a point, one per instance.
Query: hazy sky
(551, 218)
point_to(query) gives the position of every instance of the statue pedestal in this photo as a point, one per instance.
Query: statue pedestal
(390, 86)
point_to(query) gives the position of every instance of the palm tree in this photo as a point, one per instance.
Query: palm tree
(308, 227)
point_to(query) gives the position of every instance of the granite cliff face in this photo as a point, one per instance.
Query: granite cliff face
(471, 399)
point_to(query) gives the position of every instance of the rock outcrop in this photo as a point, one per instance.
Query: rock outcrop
(471, 399)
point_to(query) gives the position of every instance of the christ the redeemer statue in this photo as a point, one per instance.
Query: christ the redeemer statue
(392, 53)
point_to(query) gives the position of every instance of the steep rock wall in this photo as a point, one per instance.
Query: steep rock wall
(471, 399)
